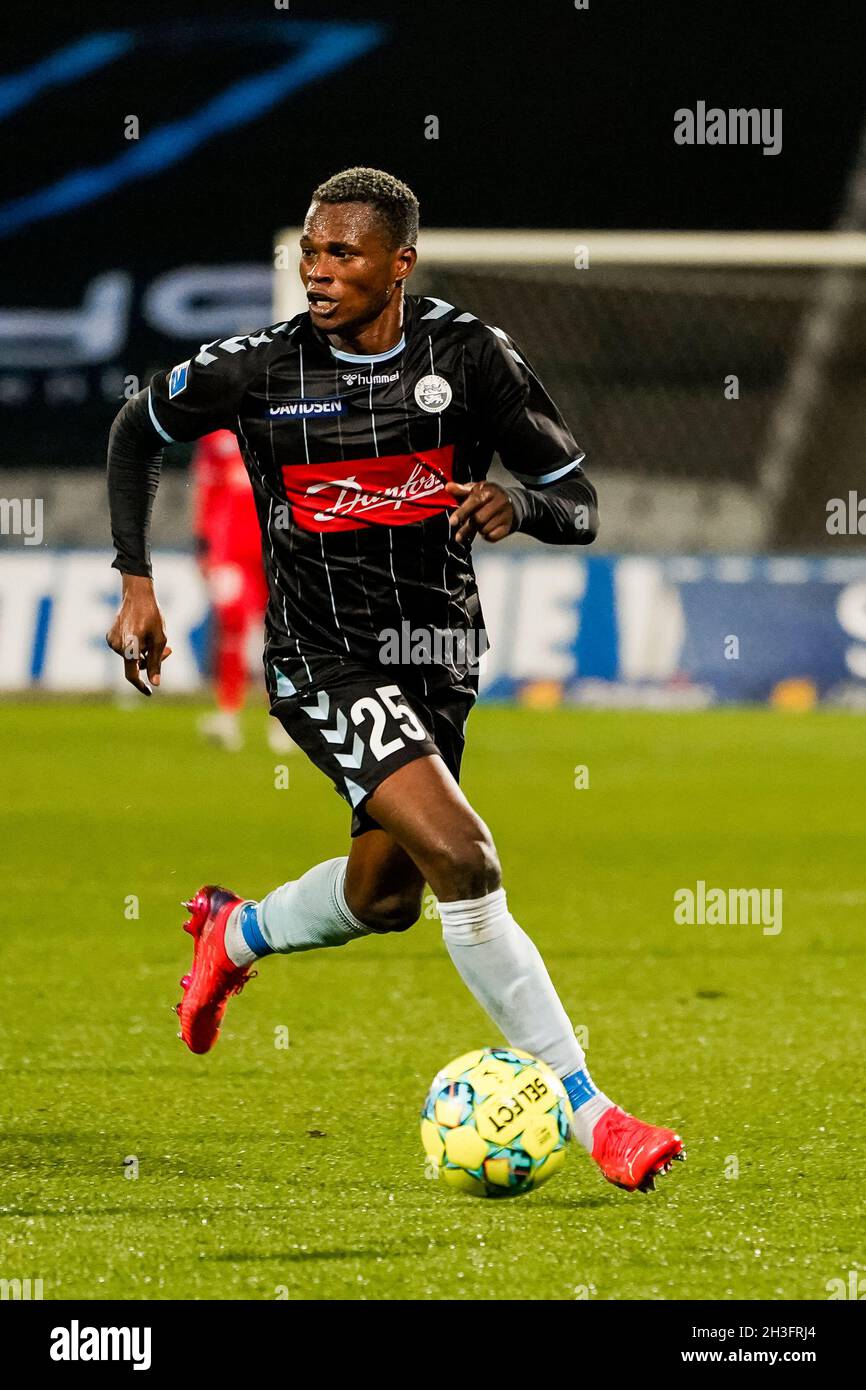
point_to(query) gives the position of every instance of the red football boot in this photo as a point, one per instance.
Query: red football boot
(632, 1154)
(213, 977)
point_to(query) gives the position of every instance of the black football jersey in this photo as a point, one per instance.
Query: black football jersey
(348, 457)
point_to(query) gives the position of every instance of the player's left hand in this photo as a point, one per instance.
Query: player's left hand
(485, 510)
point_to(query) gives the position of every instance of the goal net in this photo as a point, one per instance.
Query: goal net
(717, 382)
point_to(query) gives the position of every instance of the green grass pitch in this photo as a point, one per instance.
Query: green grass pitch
(266, 1171)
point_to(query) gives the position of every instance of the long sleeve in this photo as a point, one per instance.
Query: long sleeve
(192, 399)
(134, 464)
(565, 513)
(556, 502)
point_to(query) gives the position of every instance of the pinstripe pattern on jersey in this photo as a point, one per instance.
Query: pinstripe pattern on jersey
(336, 587)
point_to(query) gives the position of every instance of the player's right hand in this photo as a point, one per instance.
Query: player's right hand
(138, 633)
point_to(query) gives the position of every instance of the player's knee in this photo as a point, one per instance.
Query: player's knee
(392, 912)
(469, 869)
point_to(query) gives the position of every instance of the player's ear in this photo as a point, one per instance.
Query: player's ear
(404, 263)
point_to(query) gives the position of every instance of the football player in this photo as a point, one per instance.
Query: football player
(367, 425)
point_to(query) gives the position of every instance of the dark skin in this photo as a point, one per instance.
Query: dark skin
(138, 633)
(355, 281)
(354, 277)
(430, 834)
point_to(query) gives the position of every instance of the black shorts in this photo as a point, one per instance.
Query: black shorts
(358, 724)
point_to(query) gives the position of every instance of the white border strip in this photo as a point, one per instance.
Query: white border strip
(156, 425)
(443, 246)
(644, 248)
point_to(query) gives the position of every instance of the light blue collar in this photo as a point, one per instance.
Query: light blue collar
(361, 357)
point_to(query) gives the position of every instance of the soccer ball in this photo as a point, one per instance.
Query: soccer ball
(495, 1123)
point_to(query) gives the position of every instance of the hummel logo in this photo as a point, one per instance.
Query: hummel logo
(354, 758)
(320, 711)
(370, 379)
(338, 733)
(321, 708)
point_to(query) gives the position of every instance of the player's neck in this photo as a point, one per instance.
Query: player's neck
(381, 335)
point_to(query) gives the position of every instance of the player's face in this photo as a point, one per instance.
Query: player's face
(349, 270)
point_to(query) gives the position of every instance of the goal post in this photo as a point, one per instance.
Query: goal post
(715, 380)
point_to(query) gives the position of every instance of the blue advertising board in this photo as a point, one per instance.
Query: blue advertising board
(678, 631)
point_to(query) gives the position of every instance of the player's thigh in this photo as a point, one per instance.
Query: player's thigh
(388, 750)
(423, 809)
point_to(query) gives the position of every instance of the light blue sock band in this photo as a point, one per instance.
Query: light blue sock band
(251, 931)
(580, 1088)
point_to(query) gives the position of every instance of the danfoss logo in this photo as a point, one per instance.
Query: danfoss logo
(349, 497)
(392, 491)
(301, 409)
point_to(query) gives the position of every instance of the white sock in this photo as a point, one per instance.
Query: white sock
(503, 969)
(236, 946)
(310, 911)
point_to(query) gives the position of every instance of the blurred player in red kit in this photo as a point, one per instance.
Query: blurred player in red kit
(229, 549)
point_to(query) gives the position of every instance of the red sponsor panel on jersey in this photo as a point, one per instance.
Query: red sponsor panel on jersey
(391, 491)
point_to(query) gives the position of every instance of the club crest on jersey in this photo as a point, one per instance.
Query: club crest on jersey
(433, 394)
(177, 379)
